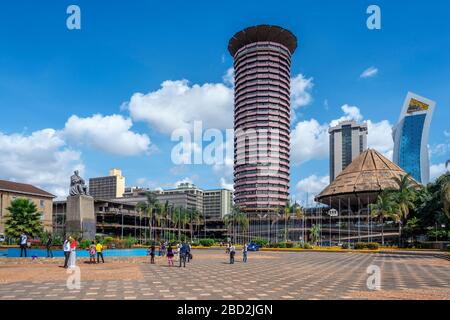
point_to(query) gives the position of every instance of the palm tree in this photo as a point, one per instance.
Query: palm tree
(445, 193)
(287, 212)
(298, 210)
(314, 233)
(383, 209)
(404, 198)
(24, 218)
(148, 207)
(236, 218)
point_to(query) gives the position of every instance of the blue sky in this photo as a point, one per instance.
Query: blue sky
(49, 74)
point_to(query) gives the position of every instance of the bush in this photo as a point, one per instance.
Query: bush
(108, 240)
(207, 242)
(307, 246)
(346, 245)
(361, 245)
(84, 244)
(373, 246)
(260, 242)
(448, 247)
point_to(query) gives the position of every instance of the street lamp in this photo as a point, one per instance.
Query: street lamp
(331, 213)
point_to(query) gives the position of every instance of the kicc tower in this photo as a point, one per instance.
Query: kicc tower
(262, 116)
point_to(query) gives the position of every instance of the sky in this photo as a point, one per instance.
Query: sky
(111, 94)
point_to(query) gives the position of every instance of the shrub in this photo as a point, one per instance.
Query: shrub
(346, 245)
(84, 244)
(260, 242)
(373, 245)
(207, 242)
(448, 247)
(108, 240)
(195, 243)
(361, 245)
(307, 246)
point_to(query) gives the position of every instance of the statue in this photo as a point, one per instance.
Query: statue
(77, 185)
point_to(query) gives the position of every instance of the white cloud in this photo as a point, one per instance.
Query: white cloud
(310, 187)
(350, 113)
(436, 170)
(177, 104)
(110, 134)
(226, 185)
(379, 137)
(228, 77)
(41, 159)
(369, 73)
(309, 140)
(300, 91)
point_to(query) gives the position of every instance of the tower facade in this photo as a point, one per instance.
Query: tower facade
(262, 116)
(411, 137)
(347, 141)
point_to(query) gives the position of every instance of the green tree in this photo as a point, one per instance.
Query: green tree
(383, 209)
(314, 233)
(24, 218)
(236, 218)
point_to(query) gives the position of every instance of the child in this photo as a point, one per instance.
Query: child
(151, 253)
(170, 255)
(92, 250)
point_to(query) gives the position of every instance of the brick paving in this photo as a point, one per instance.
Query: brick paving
(267, 275)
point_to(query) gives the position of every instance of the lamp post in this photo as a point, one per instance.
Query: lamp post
(331, 213)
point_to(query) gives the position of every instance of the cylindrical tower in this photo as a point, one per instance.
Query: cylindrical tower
(262, 116)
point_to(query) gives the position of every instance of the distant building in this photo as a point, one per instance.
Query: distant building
(347, 141)
(217, 203)
(12, 190)
(110, 187)
(112, 218)
(186, 195)
(411, 137)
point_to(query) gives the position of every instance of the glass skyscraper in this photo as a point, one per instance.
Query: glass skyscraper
(411, 137)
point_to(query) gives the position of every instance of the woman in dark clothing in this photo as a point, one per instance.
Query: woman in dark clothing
(152, 254)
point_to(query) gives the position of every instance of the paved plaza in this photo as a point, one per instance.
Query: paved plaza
(267, 276)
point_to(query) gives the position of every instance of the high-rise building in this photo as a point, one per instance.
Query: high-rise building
(110, 187)
(262, 116)
(347, 141)
(411, 137)
(217, 203)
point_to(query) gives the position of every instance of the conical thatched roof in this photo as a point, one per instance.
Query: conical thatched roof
(370, 172)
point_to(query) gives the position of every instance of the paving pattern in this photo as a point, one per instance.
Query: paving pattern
(266, 276)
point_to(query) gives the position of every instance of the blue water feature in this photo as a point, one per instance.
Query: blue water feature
(42, 253)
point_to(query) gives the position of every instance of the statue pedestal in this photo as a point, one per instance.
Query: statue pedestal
(80, 217)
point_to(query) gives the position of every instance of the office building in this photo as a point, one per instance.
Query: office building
(347, 141)
(262, 116)
(217, 203)
(110, 187)
(411, 137)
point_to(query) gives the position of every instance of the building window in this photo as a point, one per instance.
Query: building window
(42, 203)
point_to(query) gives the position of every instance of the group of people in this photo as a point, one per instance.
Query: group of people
(231, 251)
(181, 253)
(69, 248)
(23, 242)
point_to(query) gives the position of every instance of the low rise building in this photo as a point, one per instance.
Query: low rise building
(43, 200)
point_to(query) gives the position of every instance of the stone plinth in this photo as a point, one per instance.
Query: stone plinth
(80, 218)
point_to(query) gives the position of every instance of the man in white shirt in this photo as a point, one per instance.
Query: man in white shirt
(66, 248)
(23, 244)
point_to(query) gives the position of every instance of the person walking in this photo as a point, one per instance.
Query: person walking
(99, 249)
(163, 249)
(232, 253)
(92, 250)
(183, 252)
(189, 253)
(170, 255)
(245, 252)
(177, 258)
(151, 252)
(73, 256)
(48, 245)
(66, 249)
(23, 244)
